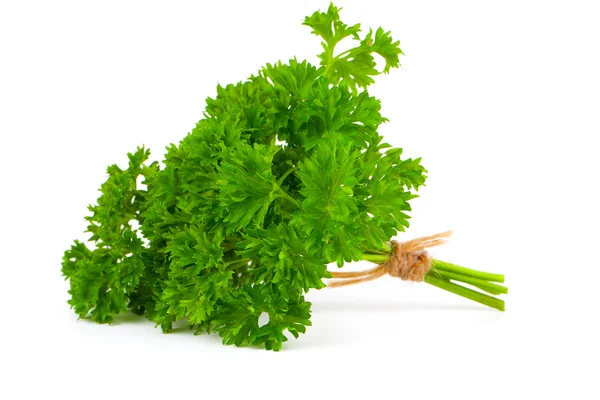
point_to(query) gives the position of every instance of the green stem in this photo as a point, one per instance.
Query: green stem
(289, 198)
(272, 139)
(375, 258)
(332, 60)
(377, 252)
(441, 273)
(442, 265)
(387, 248)
(238, 261)
(465, 292)
(285, 175)
(489, 287)
(342, 54)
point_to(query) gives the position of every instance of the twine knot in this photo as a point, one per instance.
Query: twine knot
(407, 265)
(409, 261)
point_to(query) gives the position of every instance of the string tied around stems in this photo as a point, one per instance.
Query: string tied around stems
(408, 261)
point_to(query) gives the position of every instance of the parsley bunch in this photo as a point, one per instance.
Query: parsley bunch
(285, 174)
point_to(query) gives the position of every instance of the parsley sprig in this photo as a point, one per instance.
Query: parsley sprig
(285, 174)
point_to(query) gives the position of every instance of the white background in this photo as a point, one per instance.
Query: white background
(501, 99)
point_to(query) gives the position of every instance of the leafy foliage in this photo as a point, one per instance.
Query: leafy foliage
(285, 174)
(354, 67)
(102, 278)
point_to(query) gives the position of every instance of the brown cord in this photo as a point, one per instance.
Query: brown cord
(409, 261)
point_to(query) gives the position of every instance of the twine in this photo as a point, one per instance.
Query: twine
(409, 261)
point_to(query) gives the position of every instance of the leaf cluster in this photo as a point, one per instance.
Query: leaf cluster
(284, 174)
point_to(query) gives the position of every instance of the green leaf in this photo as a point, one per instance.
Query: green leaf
(197, 278)
(329, 211)
(101, 279)
(283, 260)
(247, 186)
(236, 319)
(354, 67)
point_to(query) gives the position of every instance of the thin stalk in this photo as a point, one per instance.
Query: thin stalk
(330, 59)
(489, 287)
(386, 248)
(272, 139)
(289, 198)
(465, 292)
(375, 258)
(486, 276)
(238, 261)
(378, 252)
(490, 291)
(285, 175)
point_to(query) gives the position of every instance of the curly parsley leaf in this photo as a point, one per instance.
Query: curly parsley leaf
(103, 277)
(237, 318)
(354, 67)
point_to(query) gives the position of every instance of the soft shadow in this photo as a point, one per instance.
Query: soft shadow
(184, 328)
(129, 318)
(331, 331)
(326, 334)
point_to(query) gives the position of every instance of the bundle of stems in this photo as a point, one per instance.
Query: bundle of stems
(453, 278)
